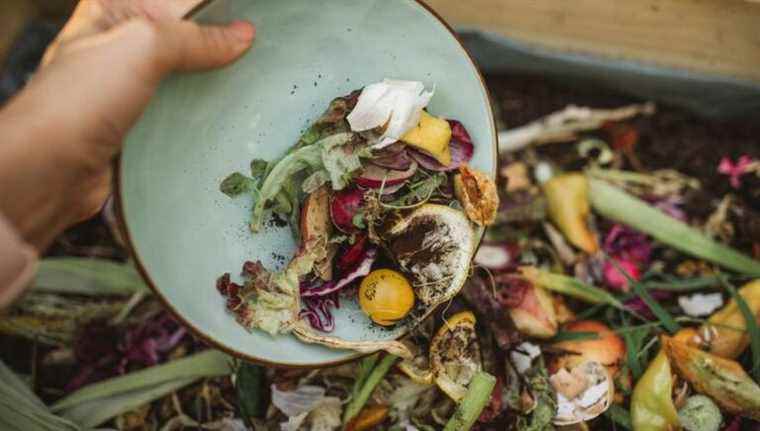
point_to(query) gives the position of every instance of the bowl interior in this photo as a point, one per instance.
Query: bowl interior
(199, 128)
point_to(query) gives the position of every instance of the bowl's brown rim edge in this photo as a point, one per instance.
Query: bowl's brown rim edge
(124, 229)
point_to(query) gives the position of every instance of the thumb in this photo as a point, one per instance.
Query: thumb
(188, 46)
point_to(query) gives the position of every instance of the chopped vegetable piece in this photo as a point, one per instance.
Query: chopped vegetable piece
(725, 333)
(750, 323)
(431, 135)
(652, 407)
(567, 198)
(368, 386)
(700, 414)
(473, 403)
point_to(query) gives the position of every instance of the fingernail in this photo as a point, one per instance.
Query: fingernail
(243, 30)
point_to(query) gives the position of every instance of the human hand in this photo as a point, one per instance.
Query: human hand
(62, 132)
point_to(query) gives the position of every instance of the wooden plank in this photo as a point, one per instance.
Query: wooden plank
(708, 36)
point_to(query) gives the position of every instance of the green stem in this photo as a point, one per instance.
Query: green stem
(373, 379)
(365, 368)
(616, 204)
(572, 287)
(469, 409)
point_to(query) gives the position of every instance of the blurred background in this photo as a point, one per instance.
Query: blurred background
(698, 60)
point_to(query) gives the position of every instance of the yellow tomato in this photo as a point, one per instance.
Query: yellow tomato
(385, 296)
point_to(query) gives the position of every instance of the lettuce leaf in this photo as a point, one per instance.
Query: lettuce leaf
(236, 184)
(339, 159)
(327, 154)
(282, 173)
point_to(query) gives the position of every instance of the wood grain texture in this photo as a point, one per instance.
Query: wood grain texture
(709, 36)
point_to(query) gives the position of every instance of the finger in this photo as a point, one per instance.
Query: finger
(95, 16)
(187, 46)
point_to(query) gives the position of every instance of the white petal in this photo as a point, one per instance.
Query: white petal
(371, 109)
(522, 357)
(397, 103)
(700, 304)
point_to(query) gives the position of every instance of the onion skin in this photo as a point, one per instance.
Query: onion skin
(399, 161)
(372, 176)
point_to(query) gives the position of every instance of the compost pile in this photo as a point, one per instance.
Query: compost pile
(616, 290)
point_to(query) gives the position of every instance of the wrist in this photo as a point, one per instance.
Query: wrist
(39, 177)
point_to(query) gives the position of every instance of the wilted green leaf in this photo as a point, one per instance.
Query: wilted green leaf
(618, 205)
(258, 168)
(98, 402)
(85, 276)
(21, 410)
(236, 184)
(252, 390)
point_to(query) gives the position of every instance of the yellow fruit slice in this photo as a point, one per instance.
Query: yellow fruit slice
(417, 369)
(455, 355)
(447, 237)
(432, 135)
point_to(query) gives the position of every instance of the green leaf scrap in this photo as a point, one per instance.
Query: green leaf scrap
(237, 184)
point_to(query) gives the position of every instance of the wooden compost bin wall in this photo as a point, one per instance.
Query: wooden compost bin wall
(710, 36)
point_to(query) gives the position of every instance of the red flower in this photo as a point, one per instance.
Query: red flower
(735, 170)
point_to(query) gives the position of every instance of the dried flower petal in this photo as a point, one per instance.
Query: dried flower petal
(735, 170)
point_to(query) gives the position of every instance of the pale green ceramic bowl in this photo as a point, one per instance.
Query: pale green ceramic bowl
(184, 233)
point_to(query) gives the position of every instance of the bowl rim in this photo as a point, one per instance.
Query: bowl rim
(123, 228)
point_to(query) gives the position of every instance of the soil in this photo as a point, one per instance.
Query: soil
(672, 139)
